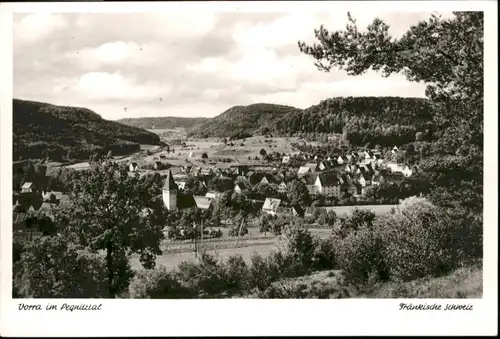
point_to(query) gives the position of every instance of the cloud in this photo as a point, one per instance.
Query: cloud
(186, 62)
(98, 86)
(35, 27)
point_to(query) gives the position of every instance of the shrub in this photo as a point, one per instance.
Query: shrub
(203, 278)
(259, 273)
(158, 284)
(51, 267)
(359, 255)
(421, 240)
(236, 275)
(233, 232)
(298, 244)
(324, 254)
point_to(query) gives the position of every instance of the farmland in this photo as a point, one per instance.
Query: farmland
(175, 252)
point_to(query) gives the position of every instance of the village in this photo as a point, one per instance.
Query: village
(197, 181)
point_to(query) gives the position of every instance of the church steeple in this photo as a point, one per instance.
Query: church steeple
(169, 192)
(170, 184)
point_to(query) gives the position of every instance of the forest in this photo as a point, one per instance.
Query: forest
(242, 121)
(42, 130)
(163, 122)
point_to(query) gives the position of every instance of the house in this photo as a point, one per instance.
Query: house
(49, 209)
(351, 188)
(363, 179)
(133, 167)
(312, 165)
(303, 170)
(203, 203)
(395, 150)
(27, 187)
(393, 167)
(350, 158)
(366, 169)
(298, 211)
(181, 184)
(378, 179)
(342, 159)
(350, 168)
(407, 171)
(240, 187)
(282, 187)
(309, 212)
(213, 195)
(191, 154)
(271, 206)
(240, 169)
(206, 171)
(395, 178)
(267, 179)
(285, 160)
(324, 165)
(327, 184)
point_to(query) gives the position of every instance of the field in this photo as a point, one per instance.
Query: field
(224, 248)
(244, 151)
(347, 210)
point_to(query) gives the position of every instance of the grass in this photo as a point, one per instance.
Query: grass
(178, 251)
(347, 210)
(466, 282)
(173, 260)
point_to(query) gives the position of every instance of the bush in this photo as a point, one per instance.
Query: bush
(298, 244)
(423, 240)
(359, 255)
(51, 267)
(236, 276)
(233, 232)
(203, 278)
(324, 255)
(158, 284)
(259, 276)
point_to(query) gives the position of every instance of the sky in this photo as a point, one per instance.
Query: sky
(187, 63)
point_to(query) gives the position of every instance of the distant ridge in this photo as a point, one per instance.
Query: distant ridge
(242, 121)
(42, 130)
(163, 122)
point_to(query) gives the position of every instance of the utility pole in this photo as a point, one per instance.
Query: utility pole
(195, 247)
(201, 242)
(239, 231)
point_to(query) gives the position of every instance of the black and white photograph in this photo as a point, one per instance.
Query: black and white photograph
(248, 154)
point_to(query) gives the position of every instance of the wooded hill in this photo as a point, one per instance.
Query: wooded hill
(378, 120)
(43, 130)
(242, 121)
(163, 122)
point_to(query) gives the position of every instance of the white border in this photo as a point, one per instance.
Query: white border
(253, 317)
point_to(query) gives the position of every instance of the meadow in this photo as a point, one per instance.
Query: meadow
(175, 252)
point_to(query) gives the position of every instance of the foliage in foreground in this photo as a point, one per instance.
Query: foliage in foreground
(417, 240)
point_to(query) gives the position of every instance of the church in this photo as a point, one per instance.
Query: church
(174, 201)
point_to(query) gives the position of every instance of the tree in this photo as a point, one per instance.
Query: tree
(52, 267)
(298, 193)
(263, 152)
(447, 54)
(204, 155)
(117, 214)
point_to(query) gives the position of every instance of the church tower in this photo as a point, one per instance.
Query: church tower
(170, 192)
